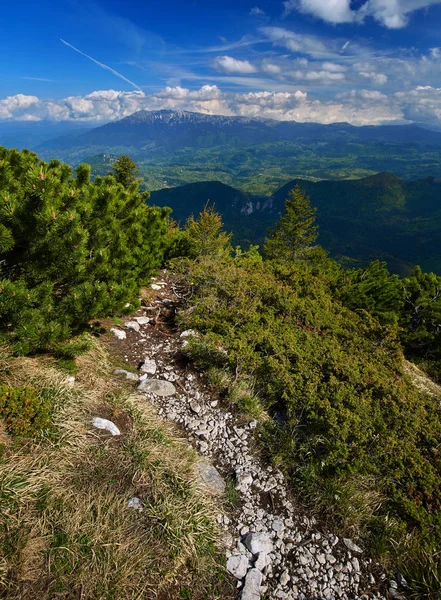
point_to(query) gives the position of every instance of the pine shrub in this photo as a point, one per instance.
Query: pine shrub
(71, 250)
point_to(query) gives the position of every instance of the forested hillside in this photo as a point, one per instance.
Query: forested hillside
(378, 217)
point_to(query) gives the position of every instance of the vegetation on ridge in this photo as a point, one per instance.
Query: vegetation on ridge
(348, 426)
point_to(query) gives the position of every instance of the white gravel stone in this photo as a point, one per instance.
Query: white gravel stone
(351, 546)
(258, 542)
(109, 426)
(253, 581)
(238, 566)
(121, 335)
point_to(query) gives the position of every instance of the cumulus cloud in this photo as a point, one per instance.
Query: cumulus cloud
(393, 14)
(227, 64)
(422, 104)
(358, 107)
(257, 12)
(333, 11)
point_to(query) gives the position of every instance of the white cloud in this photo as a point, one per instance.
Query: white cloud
(270, 68)
(296, 42)
(12, 106)
(227, 64)
(257, 12)
(422, 104)
(333, 11)
(393, 14)
(376, 78)
(358, 107)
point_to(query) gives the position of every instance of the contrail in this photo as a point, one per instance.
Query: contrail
(102, 65)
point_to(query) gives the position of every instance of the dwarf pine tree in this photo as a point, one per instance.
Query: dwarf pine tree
(70, 250)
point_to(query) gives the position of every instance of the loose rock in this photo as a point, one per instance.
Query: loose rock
(158, 387)
(100, 423)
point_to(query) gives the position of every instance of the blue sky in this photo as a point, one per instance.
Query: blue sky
(361, 61)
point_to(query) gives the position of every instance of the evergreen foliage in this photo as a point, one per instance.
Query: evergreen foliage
(296, 232)
(347, 425)
(205, 236)
(125, 170)
(71, 249)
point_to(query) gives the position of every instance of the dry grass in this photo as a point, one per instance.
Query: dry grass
(422, 381)
(65, 529)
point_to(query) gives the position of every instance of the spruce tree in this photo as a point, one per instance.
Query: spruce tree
(294, 235)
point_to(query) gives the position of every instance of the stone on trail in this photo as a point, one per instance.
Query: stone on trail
(127, 374)
(149, 367)
(132, 325)
(211, 477)
(157, 387)
(238, 566)
(155, 286)
(258, 542)
(351, 546)
(253, 581)
(121, 335)
(142, 320)
(105, 424)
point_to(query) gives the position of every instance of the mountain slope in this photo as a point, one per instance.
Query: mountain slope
(377, 217)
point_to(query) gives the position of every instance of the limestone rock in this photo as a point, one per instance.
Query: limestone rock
(132, 325)
(127, 374)
(121, 335)
(211, 477)
(142, 320)
(238, 566)
(157, 386)
(100, 423)
(253, 581)
(135, 503)
(188, 333)
(258, 542)
(351, 546)
(149, 367)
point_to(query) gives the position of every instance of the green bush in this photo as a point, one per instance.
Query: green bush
(70, 250)
(24, 412)
(351, 418)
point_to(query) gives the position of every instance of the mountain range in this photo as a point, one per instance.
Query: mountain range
(257, 155)
(179, 129)
(377, 217)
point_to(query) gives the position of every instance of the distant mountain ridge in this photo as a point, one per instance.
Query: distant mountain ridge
(178, 129)
(377, 217)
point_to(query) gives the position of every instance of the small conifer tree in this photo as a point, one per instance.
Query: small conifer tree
(205, 236)
(296, 232)
(125, 170)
